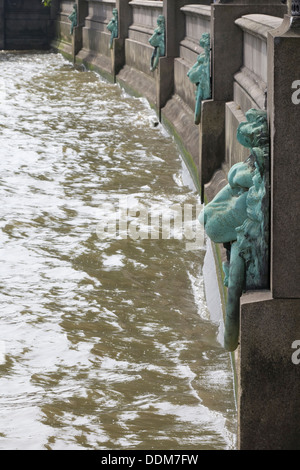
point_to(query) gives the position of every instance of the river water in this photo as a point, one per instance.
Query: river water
(105, 338)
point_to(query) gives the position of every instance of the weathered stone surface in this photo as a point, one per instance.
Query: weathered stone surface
(197, 18)
(182, 85)
(181, 118)
(235, 152)
(138, 83)
(228, 41)
(284, 112)
(269, 392)
(211, 148)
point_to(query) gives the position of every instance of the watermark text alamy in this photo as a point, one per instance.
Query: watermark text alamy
(131, 219)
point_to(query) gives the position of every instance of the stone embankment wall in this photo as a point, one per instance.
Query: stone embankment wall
(25, 25)
(168, 89)
(254, 64)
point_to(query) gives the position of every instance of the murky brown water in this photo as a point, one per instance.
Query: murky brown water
(105, 343)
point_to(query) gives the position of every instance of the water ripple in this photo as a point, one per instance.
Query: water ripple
(105, 343)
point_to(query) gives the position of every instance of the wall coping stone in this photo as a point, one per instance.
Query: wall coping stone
(146, 3)
(258, 25)
(112, 2)
(200, 10)
(254, 86)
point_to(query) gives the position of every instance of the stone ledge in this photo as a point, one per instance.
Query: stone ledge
(146, 3)
(199, 10)
(141, 29)
(137, 83)
(94, 59)
(268, 408)
(112, 2)
(258, 25)
(252, 86)
(96, 19)
(192, 45)
(183, 87)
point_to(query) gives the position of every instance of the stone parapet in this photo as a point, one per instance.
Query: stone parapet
(197, 22)
(250, 85)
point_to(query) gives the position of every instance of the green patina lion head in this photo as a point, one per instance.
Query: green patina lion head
(199, 74)
(238, 218)
(73, 18)
(113, 27)
(228, 210)
(157, 40)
